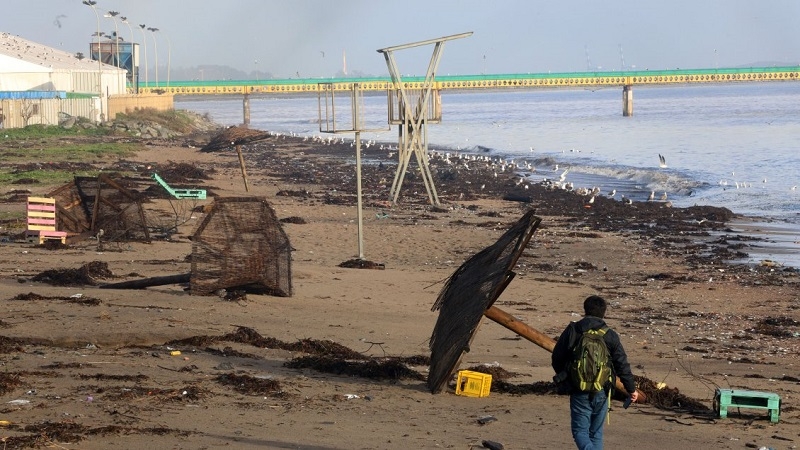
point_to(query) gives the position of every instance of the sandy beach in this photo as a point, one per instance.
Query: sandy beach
(342, 362)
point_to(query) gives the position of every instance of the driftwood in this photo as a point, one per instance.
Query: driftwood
(147, 282)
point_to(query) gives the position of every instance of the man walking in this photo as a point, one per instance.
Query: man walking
(588, 399)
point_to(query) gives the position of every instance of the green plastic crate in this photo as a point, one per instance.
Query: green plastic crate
(740, 398)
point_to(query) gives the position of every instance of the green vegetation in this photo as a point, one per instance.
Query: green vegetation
(58, 150)
(52, 155)
(49, 131)
(38, 176)
(176, 120)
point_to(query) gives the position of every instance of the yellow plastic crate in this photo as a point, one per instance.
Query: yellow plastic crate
(473, 384)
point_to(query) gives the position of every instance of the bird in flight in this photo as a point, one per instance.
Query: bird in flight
(57, 22)
(662, 162)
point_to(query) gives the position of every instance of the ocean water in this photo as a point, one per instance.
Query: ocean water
(733, 145)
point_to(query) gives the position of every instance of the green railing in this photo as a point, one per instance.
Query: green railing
(516, 80)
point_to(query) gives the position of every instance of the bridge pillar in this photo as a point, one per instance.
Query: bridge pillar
(246, 112)
(627, 100)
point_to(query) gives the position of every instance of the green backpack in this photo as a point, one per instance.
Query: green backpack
(589, 369)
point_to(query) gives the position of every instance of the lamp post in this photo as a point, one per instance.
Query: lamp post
(91, 4)
(134, 84)
(169, 56)
(155, 46)
(113, 16)
(144, 40)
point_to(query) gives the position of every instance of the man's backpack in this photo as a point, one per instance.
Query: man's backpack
(589, 369)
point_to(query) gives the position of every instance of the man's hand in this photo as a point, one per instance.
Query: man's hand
(634, 396)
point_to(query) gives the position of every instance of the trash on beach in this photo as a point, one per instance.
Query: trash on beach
(486, 419)
(492, 445)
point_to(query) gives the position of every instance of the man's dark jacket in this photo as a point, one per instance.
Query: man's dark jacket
(562, 353)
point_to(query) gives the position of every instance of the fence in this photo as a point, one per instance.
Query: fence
(19, 113)
(22, 112)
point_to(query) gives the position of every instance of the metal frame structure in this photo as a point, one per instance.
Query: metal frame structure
(327, 124)
(416, 109)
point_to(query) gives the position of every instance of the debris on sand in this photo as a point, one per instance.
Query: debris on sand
(376, 369)
(361, 264)
(76, 298)
(88, 274)
(246, 384)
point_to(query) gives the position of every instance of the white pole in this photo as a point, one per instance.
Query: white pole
(134, 84)
(113, 16)
(155, 46)
(144, 39)
(91, 4)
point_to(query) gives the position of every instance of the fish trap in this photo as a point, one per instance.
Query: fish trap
(240, 244)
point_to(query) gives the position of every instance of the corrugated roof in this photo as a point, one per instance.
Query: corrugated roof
(42, 55)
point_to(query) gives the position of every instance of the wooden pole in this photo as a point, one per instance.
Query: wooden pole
(147, 282)
(241, 164)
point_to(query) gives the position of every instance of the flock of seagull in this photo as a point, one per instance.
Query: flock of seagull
(520, 169)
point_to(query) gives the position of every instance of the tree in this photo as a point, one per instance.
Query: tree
(28, 110)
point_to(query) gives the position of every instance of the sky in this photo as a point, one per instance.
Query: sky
(309, 38)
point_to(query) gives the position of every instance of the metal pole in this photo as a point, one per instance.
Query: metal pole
(113, 16)
(358, 193)
(169, 56)
(155, 47)
(357, 127)
(144, 39)
(134, 84)
(91, 4)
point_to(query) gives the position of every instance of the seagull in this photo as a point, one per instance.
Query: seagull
(57, 22)
(612, 193)
(591, 199)
(662, 162)
(664, 196)
(626, 200)
(652, 196)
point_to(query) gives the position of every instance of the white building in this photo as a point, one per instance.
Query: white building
(28, 66)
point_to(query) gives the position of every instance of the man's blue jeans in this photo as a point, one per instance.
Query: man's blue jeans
(587, 416)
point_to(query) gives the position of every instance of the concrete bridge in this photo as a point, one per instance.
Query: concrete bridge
(624, 79)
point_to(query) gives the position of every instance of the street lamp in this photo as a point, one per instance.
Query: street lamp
(155, 46)
(169, 56)
(113, 16)
(144, 39)
(134, 84)
(91, 4)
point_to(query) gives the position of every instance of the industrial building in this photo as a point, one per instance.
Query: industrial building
(39, 84)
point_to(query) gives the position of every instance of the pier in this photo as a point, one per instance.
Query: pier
(565, 80)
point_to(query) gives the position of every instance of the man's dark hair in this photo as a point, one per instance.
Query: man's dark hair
(594, 305)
